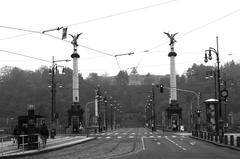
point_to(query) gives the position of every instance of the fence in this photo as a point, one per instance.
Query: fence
(19, 143)
(228, 140)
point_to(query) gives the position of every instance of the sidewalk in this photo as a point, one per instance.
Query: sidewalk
(8, 149)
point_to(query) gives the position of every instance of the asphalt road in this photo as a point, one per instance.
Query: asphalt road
(137, 143)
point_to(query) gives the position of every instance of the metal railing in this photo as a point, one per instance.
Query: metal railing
(19, 142)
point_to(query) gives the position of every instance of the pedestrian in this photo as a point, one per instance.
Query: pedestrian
(16, 132)
(44, 133)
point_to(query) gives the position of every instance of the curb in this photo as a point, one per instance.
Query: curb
(217, 144)
(34, 152)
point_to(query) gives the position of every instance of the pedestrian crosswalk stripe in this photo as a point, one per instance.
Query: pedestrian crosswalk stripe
(108, 137)
(131, 136)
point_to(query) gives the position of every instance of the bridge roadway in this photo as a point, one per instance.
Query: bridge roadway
(141, 143)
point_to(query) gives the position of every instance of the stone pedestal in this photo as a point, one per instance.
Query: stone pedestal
(75, 117)
(174, 116)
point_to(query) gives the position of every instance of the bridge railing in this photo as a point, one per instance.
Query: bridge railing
(228, 139)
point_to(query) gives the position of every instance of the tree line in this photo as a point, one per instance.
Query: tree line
(18, 88)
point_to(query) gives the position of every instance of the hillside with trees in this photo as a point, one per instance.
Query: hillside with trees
(21, 87)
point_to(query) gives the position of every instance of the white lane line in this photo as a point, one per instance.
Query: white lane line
(108, 133)
(116, 134)
(131, 136)
(158, 143)
(99, 137)
(108, 137)
(143, 143)
(176, 144)
(151, 136)
(119, 137)
(145, 132)
(133, 133)
(159, 136)
(174, 136)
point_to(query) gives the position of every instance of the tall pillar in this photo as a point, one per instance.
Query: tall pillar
(75, 113)
(174, 112)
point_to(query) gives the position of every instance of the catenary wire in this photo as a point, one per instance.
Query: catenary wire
(19, 54)
(121, 13)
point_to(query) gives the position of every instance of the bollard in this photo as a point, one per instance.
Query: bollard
(211, 137)
(232, 140)
(221, 139)
(225, 139)
(216, 138)
(238, 141)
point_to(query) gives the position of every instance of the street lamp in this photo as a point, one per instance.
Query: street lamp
(52, 72)
(208, 56)
(105, 112)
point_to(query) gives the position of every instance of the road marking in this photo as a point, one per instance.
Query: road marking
(159, 136)
(193, 143)
(176, 144)
(145, 132)
(158, 143)
(151, 136)
(131, 136)
(116, 134)
(133, 133)
(99, 137)
(181, 139)
(108, 137)
(174, 136)
(108, 133)
(124, 133)
(143, 144)
(119, 137)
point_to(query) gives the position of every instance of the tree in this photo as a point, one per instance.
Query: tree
(122, 78)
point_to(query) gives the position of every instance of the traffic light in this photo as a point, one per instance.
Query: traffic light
(64, 33)
(161, 88)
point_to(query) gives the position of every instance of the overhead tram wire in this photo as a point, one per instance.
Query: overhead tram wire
(121, 13)
(14, 53)
(199, 27)
(86, 21)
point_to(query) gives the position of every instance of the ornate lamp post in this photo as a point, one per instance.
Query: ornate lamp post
(52, 72)
(208, 56)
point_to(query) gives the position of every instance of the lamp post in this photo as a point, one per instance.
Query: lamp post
(105, 113)
(153, 108)
(52, 72)
(208, 56)
(98, 97)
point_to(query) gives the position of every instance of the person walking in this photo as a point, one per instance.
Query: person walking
(44, 133)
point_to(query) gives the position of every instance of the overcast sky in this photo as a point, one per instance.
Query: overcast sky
(118, 27)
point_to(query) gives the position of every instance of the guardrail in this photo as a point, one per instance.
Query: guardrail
(228, 140)
(19, 142)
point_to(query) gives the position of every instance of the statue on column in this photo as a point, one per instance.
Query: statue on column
(74, 41)
(172, 40)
